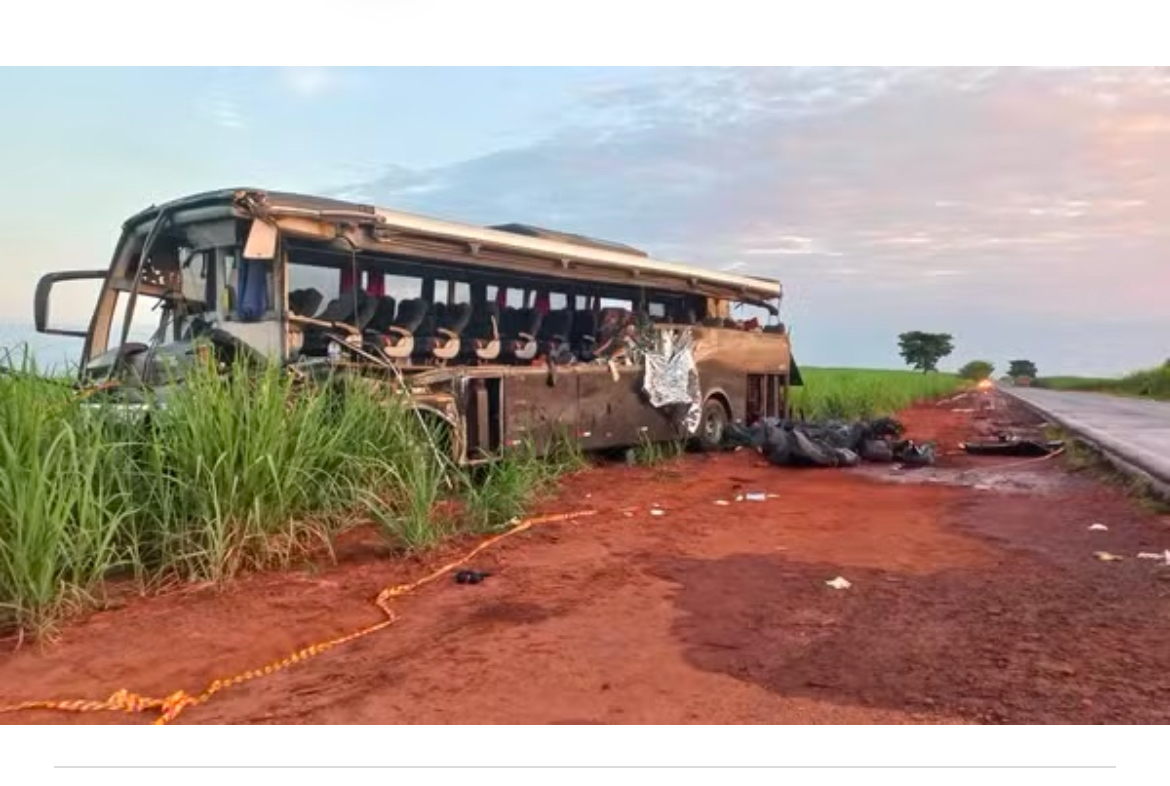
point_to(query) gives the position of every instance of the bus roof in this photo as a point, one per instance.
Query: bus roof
(522, 240)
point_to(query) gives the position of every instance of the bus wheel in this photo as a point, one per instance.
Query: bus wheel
(712, 425)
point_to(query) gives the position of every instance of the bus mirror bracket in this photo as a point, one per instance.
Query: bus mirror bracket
(42, 295)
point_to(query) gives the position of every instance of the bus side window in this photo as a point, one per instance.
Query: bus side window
(402, 287)
(311, 287)
(609, 302)
(751, 317)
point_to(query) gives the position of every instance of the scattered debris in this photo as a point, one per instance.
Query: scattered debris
(755, 496)
(722, 502)
(914, 455)
(1163, 557)
(1008, 445)
(839, 583)
(831, 443)
(471, 576)
(1105, 556)
(657, 512)
(1098, 527)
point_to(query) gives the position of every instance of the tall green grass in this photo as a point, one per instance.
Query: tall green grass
(230, 474)
(62, 511)
(838, 393)
(1148, 383)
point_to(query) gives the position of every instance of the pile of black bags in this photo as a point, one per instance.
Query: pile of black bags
(793, 443)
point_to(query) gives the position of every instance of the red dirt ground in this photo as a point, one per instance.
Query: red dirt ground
(967, 605)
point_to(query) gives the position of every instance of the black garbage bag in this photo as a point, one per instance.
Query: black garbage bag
(779, 452)
(877, 450)
(808, 452)
(828, 443)
(884, 428)
(739, 436)
(846, 457)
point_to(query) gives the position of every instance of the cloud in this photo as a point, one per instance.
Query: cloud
(225, 114)
(312, 81)
(218, 102)
(954, 193)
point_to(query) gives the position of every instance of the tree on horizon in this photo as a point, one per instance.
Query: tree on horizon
(922, 351)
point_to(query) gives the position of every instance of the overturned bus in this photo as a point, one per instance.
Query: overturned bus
(503, 334)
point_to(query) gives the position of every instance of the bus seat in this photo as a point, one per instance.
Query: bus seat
(383, 315)
(380, 322)
(398, 337)
(555, 331)
(366, 308)
(338, 310)
(305, 302)
(427, 327)
(521, 326)
(583, 336)
(342, 315)
(450, 322)
(484, 332)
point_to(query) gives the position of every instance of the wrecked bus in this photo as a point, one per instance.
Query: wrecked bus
(502, 334)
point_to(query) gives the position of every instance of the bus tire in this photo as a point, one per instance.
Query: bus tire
(712, 425)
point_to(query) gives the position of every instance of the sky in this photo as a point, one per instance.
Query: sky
(1018, 209)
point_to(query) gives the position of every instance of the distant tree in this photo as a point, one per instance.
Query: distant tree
(1022, 368)
(977, 370)
(923, 351)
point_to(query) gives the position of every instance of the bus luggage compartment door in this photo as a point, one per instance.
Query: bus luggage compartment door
(617, 413)
(539, 412)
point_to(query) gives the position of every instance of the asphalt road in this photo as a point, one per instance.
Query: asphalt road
(1135, 430)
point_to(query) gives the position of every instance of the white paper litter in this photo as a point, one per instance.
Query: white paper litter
(839, 583)
(1098, 527)
(755, 496)
(657, 512)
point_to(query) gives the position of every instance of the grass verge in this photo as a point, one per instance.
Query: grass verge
(1150, 383)
(849, 394)
(228, 474)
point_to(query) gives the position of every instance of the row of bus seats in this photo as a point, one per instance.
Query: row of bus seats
(413, 329)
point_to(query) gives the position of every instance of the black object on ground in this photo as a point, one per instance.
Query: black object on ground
(470, 576)
(829, 443)
(1013, 447)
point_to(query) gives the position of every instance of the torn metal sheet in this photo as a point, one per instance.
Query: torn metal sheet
(672, 378)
